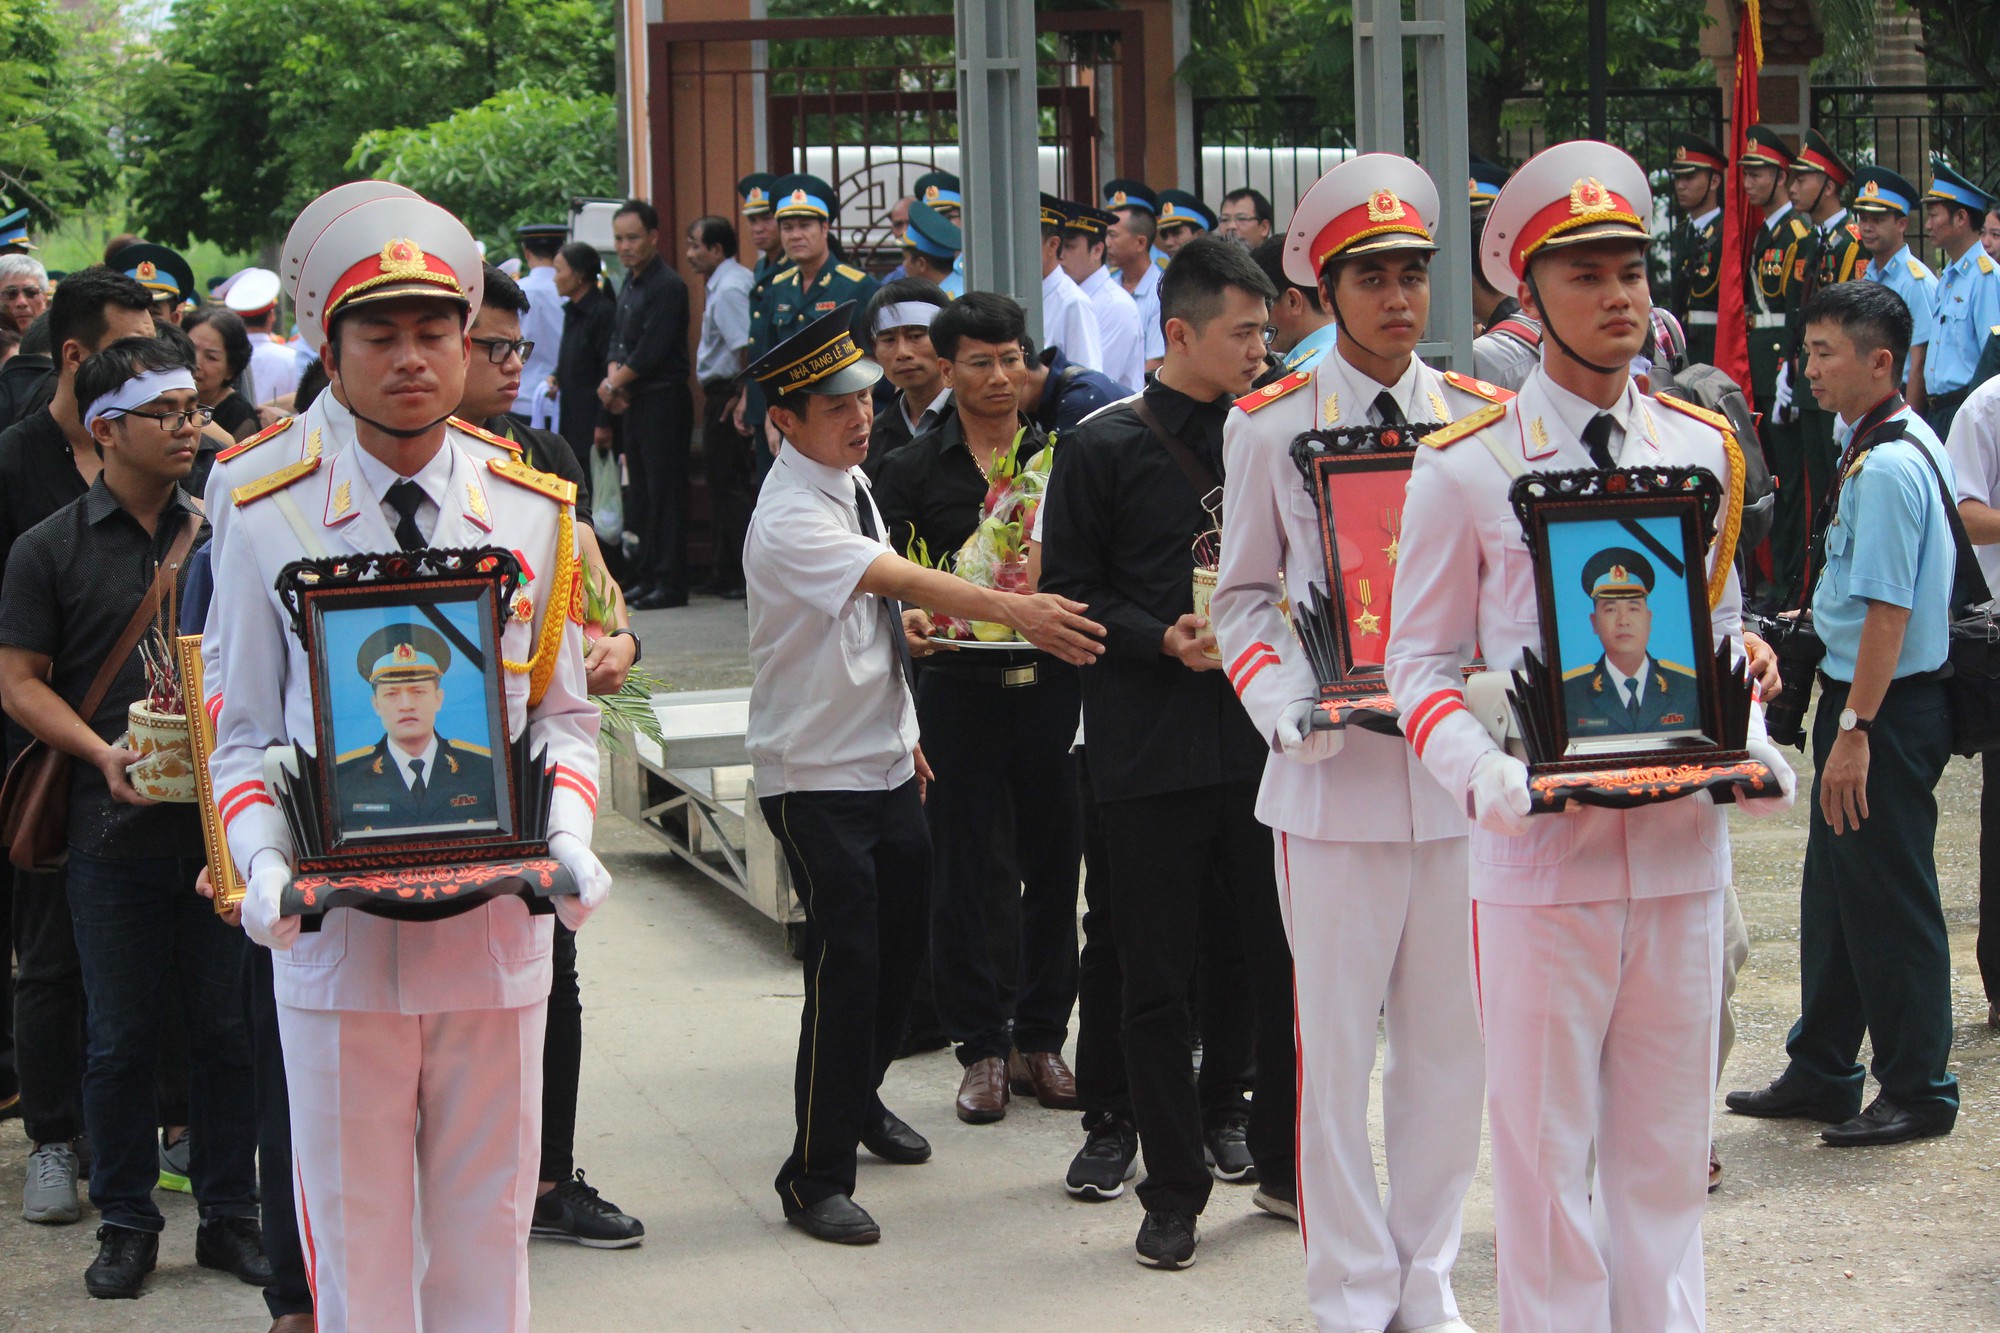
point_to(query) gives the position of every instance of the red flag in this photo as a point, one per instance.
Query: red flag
(1732, 343)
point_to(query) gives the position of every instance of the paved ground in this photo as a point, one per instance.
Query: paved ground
(691, 1012)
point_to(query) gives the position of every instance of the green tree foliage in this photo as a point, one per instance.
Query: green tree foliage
(1962, 42)
(256, 105)
(55, 107)
(516, 157)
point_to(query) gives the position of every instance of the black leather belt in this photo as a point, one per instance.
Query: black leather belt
(1007, 675)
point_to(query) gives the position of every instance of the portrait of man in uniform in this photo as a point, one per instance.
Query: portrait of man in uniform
(412, 776)
(1628, 689)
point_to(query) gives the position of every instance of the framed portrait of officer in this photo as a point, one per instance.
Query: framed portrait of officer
(410, 707)
(1629, 702)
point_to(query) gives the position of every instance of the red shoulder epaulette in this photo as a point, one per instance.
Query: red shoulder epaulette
(1273, 391)
(277, 428)
(1492, 393)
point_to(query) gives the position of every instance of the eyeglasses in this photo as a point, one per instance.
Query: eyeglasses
(499, 349)
(18, 293)
(174, 422)
(983, 365)
(1270, 334)
(1244, 218)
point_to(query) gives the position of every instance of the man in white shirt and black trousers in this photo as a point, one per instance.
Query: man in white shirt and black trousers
(840, 776)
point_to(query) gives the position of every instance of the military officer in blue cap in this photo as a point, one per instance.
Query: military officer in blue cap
(1182, 217)
(1882, 204)
(941, 190)
(1968, 293)
(816, 284)
(931, 246)
(160, 271)
(411, 777)
(1626, 689)
(14, 233)
(1132, 256)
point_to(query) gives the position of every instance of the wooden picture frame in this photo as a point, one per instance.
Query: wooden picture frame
(1628, 704)
(404, 655)
(1357, 477)
(222, 877)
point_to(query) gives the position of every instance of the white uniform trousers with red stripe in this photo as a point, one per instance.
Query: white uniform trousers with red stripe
(1600, 1023)
(1382, 927)
(416, 1139)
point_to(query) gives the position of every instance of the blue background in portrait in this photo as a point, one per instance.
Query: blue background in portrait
(355, 725)
(1572, 542)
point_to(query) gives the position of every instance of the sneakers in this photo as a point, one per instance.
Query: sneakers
(174, 1163)
(575, 1211)
(1109, 1157)
(124, 1257)
(1226, 1145)
(50, 1196)
(1166, 1240)
(1278, 1200)
(234, 1245)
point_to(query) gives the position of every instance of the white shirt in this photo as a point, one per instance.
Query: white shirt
(1619, 680)
(404, 759)
(1147, 297)
(542, 326)
(725, 323)
(829, 710)
(928, 417)
(1701, 223)
(1068, 321)
(1118, 329)
(433, 479)
(274, 368)
(1974, 448)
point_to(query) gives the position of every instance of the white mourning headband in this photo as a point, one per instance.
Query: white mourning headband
(137, 392)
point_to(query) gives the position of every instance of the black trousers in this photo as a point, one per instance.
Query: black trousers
(48, 1009)
(10, 1079)
(1988, 948)
(658, 430)
(289, 1293)
(562, 1062)
(726, 464)
(981, 738)
(1169, 854)
(861, 866)
(1874, 957)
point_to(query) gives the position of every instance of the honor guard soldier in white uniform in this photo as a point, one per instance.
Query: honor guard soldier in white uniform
(833, 735)
(412, 1049)
(1597, 933)
(1371, 850)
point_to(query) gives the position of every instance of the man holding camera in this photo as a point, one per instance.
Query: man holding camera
(1874, 956)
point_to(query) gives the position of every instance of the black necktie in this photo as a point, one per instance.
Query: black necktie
(1386, 409)
(892, 610)
(1632, 698)
(417, 777)
(1597, 439)
(404, 497)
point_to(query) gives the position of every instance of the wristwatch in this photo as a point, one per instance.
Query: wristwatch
(638, 652)
(1852, 721)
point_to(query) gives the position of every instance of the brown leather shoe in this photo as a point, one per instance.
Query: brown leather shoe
(1043, 1074)
(1714, 1170)
(982, 1093)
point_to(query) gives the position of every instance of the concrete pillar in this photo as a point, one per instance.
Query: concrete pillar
(997, 151)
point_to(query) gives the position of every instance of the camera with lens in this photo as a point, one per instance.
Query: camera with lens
(1799, 650)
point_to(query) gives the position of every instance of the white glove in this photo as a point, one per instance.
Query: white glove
(1779, 801)
(1500, 801)
(1781, 397)
(593, 881)
(263, 901)
(1299, 741)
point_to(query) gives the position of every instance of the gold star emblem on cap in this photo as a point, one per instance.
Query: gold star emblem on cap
(1589, 196)
(799, 196)
(148, 271)
(1871, 191)
(404, 653)
(1384, 206)
(402, 256)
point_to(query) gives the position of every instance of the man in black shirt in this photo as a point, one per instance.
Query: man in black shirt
(899, 317)
(588, 312)
(997, 728)
(648, 384)
(28, 378)
(73, 585)
(1174, 759)
(46, 461)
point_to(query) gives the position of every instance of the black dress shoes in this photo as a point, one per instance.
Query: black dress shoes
(835, 1218)
(893, 1141)
(1885, 1122)
(655, 600)
(1781, 1101)
(234, 1245)
(124, 1257)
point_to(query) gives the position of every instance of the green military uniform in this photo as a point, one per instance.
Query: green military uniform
(1695, 250)
(1830, 253)
(1600, 700)
(1774, 293)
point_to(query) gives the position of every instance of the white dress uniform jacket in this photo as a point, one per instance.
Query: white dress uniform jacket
(1465, 585)
(1069, 322)
(1117, 329)
(542, 326)
(497, 955)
